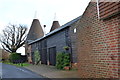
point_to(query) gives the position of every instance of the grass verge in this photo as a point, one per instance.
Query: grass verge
(19, 64)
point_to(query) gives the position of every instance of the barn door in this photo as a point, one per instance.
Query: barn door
(52, 56)
(44, 56)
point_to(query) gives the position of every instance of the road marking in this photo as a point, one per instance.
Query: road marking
(22, 70)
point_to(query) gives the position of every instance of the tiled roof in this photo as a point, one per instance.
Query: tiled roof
(55, 25)
(58, 29)
(35, 31)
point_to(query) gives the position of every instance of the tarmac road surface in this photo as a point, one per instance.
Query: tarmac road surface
(10, 72)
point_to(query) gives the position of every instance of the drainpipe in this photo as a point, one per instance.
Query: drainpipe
(98, 11)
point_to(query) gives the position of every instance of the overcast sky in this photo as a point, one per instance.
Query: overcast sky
(23, 11)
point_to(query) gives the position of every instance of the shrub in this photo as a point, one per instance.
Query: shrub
(66, 60)
(62, 60)
(59, 60)
(14, 57)
(37, 57)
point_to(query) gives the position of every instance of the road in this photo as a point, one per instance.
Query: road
(11, 72)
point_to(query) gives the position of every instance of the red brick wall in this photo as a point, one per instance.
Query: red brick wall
(5, 54)
(98, 45)
(28, 53)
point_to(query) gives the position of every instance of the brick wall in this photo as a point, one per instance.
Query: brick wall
(4, 54)
(98, 45)
(29, 53)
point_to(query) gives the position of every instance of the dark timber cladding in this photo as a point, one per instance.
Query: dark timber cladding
(43, 51)
(55, 41)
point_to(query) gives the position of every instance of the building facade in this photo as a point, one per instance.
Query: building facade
(54, 42)
(97, 36)
(98, 40)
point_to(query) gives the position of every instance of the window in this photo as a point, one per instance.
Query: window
(75, 30)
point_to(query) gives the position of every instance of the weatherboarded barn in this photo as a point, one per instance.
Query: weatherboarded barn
(55, 41)
(98, 40)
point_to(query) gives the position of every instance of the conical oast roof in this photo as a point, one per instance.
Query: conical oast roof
(55, 25)
(35, 31)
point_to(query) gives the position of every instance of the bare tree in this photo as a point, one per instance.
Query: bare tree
(13, 37)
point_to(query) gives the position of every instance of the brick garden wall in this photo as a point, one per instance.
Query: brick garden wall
(5, 54)
(98, 44)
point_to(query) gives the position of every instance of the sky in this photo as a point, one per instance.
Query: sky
(24, 11)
